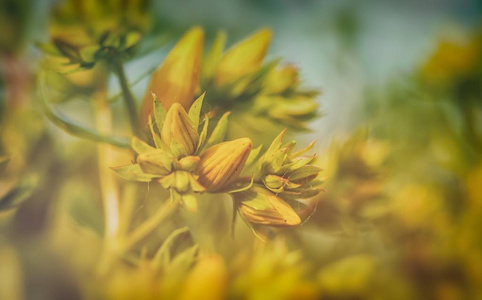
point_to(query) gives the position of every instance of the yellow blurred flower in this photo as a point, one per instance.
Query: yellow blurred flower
(177, 77)
(451, 60)
(207, 280)
(243, 58)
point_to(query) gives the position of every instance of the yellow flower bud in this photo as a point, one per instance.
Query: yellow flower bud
(221, 164)
(178, 76)
(179, 131)
(260, 206)
(279, 80)
(243, 58)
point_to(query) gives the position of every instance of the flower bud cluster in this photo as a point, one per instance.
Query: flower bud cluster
(180, 156)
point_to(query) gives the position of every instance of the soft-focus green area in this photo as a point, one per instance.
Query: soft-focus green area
(399, 137)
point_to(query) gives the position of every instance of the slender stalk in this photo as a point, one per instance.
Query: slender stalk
(146, 228)
(108, 184)
(141, 232)
(109, 189)
(128, 98)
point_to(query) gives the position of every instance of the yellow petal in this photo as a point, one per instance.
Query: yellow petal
(179, 128)
(207, 280)
(178, 76)
(244, 57)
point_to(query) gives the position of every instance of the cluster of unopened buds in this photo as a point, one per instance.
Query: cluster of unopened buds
(187, 156)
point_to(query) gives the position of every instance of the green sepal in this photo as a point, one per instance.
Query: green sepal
(295, 164)
(159, 112)
(133, 172)
(195, 185)
(155, 137)
(139, 146)
(156, 161)
(168, 181)
(304, 150)
(195, 111)
(234, 188)
(219, 133)
(253, 155)
(203, 135)
(304, 172)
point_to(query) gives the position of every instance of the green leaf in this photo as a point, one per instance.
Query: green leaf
(195, 111)
(133, 172)
(162, 257)
(253, 155)
(157, 140)
(304, 172)
(18, 194)
(275, 145)
(139, 146)
(184, 260)
(219, 133)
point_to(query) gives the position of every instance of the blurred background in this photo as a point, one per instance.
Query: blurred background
(399, 136)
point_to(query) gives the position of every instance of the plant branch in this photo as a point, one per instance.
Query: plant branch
(128, 98)
(74, 129)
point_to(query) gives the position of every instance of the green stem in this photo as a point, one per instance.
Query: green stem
(77, 130)
(128, 98)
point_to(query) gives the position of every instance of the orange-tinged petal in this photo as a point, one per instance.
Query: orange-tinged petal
(221, 164)
(260, 206)
(177, 77)
(244, 57)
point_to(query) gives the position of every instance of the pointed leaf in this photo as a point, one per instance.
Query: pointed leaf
(195, 111)
(304, 150)
(139, 146)
(133, 172)
(253, 155)
(163, 255)
(219, 133)
(159, 112)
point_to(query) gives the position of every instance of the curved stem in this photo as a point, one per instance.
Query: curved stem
(128, 97)
(77, 130)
